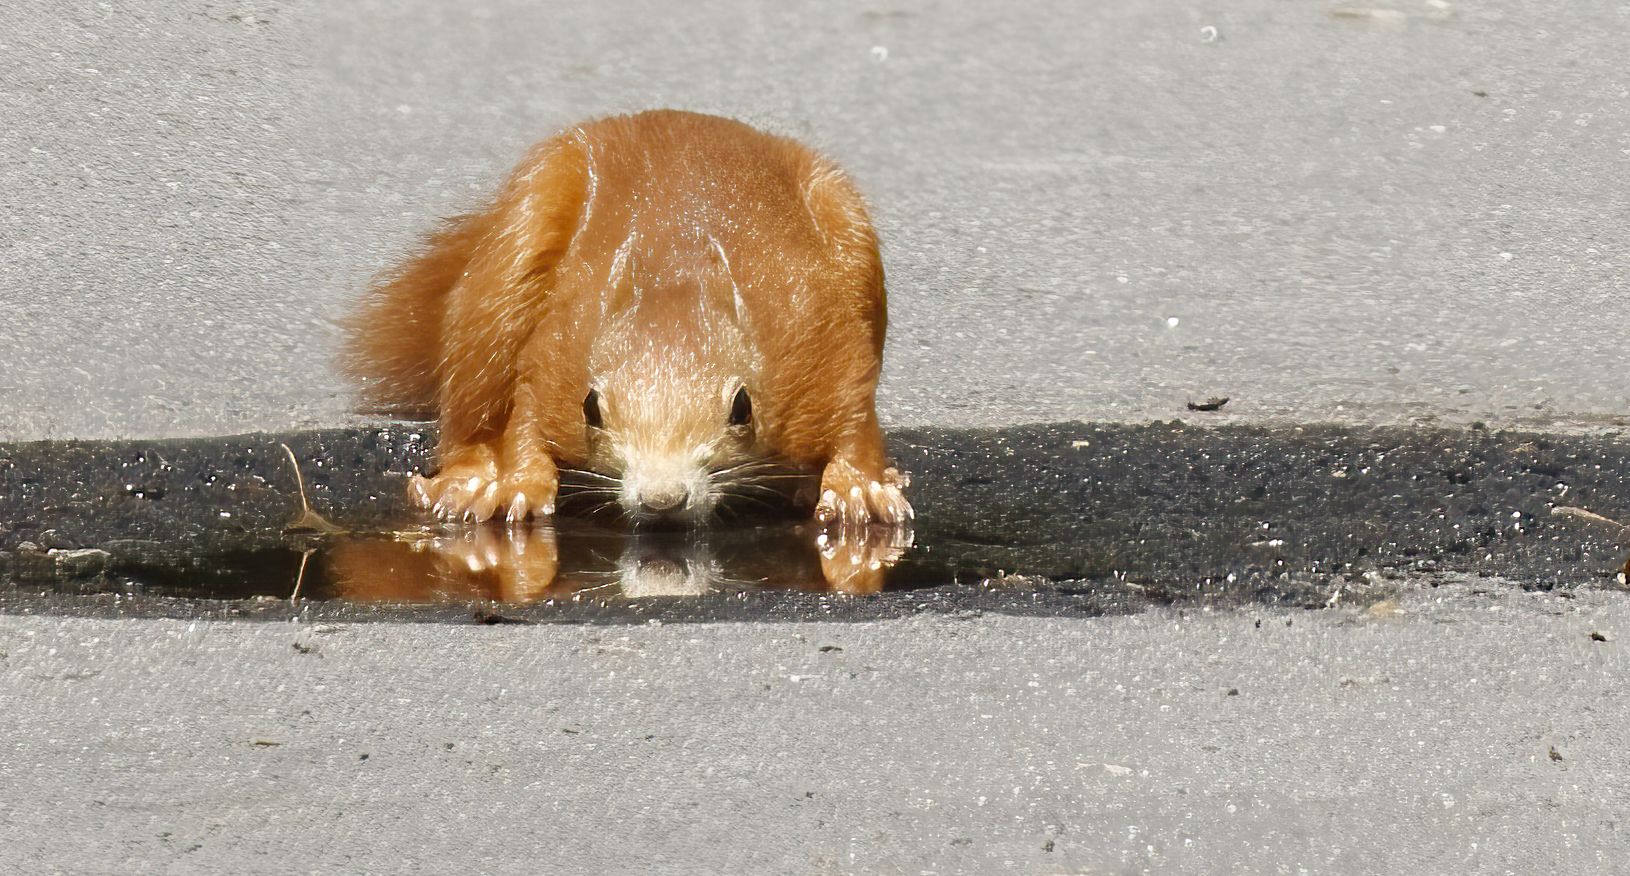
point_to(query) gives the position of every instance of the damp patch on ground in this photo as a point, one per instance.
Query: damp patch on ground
(1050, 519)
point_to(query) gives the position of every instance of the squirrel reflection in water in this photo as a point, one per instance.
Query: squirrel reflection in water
(537, 563)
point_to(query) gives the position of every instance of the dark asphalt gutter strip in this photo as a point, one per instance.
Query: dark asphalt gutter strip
(1093, 518)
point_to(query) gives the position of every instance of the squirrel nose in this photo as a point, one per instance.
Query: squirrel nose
(663, 498)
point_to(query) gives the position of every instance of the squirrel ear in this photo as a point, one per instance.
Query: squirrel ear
(837, 210)
(734, 306)
(622, 292)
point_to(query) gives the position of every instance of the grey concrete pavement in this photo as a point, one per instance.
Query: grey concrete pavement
(1091, 211)
(1468, 734)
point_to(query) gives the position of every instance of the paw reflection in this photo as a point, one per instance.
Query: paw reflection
(545, 562)
(475, 564)
(855, 562)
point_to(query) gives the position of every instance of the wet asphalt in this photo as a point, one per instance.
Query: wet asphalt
(1063, 519)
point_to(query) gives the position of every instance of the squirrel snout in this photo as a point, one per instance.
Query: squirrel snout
(663, 497)
(656, 494)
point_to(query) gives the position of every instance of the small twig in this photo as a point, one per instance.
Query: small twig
(309, 520)
(299, 480)
(1592, 516)
(300, 579)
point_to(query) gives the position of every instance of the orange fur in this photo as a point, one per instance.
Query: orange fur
(657, 256)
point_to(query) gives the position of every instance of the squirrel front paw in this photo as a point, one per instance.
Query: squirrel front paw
(851, 501)
(475, 492)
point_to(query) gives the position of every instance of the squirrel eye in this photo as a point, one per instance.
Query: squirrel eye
(741, 408)
(591, 408)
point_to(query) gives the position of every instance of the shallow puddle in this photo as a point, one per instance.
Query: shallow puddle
(566, 569)
(568, 560)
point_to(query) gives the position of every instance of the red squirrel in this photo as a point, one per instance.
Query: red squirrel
(675, 304)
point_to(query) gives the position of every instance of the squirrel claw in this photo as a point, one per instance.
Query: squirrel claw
(453, 497)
